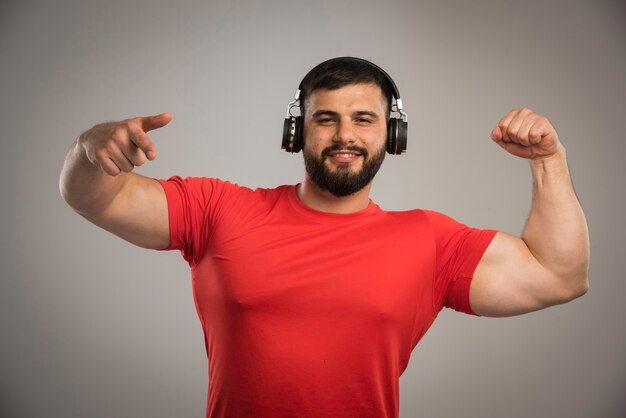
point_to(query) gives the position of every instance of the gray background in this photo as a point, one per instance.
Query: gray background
(94, 327)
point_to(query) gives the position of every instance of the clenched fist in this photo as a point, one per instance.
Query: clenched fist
(526, 134)
(121, 146)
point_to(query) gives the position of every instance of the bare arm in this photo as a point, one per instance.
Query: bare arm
(548, 265)
(97, 181)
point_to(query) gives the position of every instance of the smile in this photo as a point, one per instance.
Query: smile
(344, 155)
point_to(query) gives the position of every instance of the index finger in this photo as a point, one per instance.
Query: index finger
(149, 123)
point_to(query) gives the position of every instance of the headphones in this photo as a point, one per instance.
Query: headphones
(396, 127)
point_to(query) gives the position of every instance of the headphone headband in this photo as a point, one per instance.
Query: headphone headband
(394, 88)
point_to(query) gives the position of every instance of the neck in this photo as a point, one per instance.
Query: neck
(324, 201)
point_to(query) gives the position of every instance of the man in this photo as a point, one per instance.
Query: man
(311, 297)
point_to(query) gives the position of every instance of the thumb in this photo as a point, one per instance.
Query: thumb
(149, 123)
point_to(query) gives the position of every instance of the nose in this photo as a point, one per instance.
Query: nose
(345, 132)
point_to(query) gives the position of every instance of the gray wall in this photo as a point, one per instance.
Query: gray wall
(92, 326)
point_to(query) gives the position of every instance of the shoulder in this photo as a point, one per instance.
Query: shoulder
(429, 217)
(439, 226)
(219, 196)
(217, 184)
(192, 182)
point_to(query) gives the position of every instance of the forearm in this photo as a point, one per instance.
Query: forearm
(85, 186)
(556, 231)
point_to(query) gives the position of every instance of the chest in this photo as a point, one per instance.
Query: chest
(363, 272)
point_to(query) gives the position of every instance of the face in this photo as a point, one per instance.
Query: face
(344, 137)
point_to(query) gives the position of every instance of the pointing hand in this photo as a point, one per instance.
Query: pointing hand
(121, 146)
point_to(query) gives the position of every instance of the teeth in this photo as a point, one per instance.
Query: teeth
(344, 155)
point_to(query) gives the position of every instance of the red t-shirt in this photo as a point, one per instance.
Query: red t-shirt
(313, 314)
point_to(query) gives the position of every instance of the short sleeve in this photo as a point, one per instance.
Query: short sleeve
(194, 204)
(459, 249)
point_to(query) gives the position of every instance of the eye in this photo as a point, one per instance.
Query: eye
(325, 121)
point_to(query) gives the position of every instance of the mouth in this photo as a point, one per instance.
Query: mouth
(344, 153)
(343, 156)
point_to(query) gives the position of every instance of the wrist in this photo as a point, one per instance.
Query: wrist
(550, 163)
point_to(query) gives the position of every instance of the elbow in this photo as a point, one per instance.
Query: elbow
(567, 285)
(581, 289)
(71, 197)
(584, 287)
(66, 192)
(581, 277)
(574, 281)
(575, 286)
(65, 185)
(63, 189)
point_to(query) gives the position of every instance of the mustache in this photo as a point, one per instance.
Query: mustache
(338, 147)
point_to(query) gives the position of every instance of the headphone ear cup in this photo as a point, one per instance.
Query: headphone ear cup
(392, 127)
(401, 138)
(287, 139)
(298, 141)
(396, 136)
(292, 134)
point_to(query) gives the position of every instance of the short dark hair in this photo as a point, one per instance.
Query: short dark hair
(343, 71)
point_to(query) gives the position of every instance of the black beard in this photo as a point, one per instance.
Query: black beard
(342, 182)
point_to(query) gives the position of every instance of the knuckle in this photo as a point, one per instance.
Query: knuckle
(100, 155)
(109, 147)
(118, 135)
(139, 139)
(112, 171)
(139, 160)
